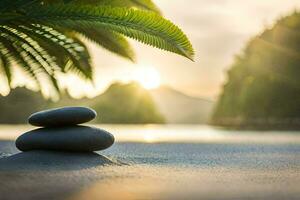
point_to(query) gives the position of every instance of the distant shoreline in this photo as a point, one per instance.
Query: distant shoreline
(257, 124)
(225, 126)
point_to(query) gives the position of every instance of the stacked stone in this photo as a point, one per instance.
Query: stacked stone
(61, 132)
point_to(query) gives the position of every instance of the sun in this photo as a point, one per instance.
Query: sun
(148, 77)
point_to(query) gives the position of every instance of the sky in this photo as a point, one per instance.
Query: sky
(218, 30)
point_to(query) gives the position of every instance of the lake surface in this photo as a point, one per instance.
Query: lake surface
(177, 134)
(181, 161)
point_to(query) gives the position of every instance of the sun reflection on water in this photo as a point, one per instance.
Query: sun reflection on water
(149, 138)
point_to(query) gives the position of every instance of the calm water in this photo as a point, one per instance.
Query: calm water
(177, 134)
(171, 162)
(191, 145)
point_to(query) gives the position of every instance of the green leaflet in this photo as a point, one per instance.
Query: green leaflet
(5, 63)
(42, 62)
(18, 54)
(111, 41)
(69, 46)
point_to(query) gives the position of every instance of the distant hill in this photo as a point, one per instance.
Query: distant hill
(120, 103)
(181, 108)
(263, 85)
(126, 103)
(19, 104)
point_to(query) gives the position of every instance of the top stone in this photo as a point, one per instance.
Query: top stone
(65, 116)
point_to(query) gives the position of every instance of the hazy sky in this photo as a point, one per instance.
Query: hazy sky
(218, 29)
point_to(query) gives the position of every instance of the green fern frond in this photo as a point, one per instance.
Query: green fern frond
(140, 4)
(63, 47)
(34, 51)
(84, 65)
(9, 5)
(17, 54)
(5, 63)
(111, 41)
(52, 47)
(43, 37)
(146, 27)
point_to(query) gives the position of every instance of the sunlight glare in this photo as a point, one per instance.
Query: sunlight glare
(148, 77)
(149, 138)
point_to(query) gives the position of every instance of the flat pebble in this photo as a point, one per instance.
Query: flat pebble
(72, 138)
(62, 116)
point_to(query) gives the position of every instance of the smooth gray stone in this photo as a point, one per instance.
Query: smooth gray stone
(62, 116)
(72, 138)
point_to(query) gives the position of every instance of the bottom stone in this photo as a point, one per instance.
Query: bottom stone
(71, 138)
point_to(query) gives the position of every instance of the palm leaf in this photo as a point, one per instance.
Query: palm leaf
(10, 7)
(140, 4)
(44, 36)
(37, 55)
(63, 47)
(107, 39)
(146, 27)
(110, 40)
(5, 63)
(20, 56)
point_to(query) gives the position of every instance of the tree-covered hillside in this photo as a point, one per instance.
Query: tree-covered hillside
(19, 104)
(126, 103)
(263, 86)
(120, 103)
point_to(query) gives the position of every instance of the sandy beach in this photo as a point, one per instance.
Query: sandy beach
(139, 170)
